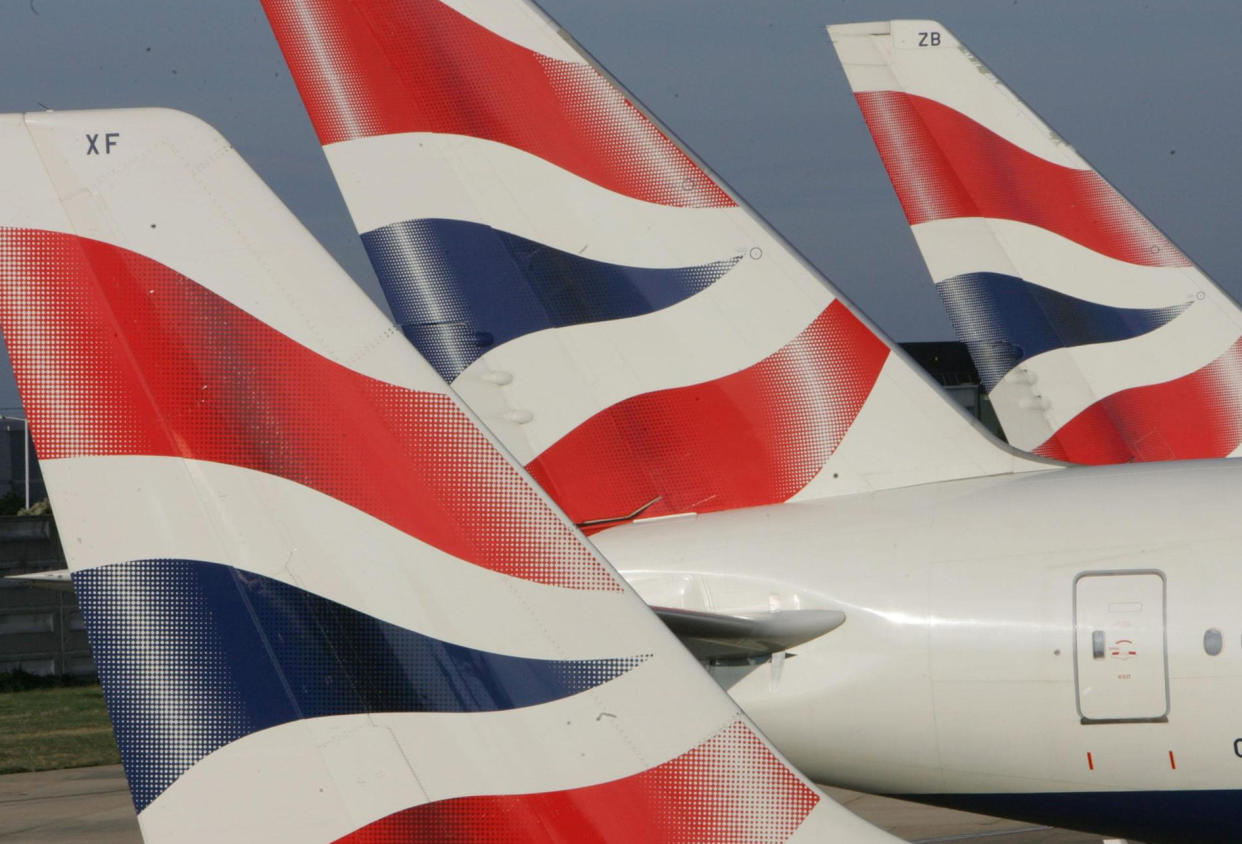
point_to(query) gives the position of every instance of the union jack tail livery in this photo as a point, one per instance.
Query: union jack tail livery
(637, 338)
(324, 605)
(1096, 338)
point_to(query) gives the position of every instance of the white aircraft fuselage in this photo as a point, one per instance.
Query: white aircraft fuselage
(1038, 646)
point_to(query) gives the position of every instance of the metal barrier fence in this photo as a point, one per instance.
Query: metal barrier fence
(41, 629)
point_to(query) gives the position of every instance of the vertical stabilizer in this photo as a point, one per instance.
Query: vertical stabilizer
(323, 604)
(1096, 338)
(636, 336)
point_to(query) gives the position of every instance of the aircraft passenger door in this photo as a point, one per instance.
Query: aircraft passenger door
(1120, 655)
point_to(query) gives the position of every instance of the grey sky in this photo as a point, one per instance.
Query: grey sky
(1147, 91)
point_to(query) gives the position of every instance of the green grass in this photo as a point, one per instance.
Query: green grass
(49, 728)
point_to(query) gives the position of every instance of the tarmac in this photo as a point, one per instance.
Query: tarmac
(92, 806)
(76, 805)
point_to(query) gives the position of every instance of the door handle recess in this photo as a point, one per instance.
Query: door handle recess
(1097, 644)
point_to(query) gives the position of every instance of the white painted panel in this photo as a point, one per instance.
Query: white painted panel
(174, 190)
(1120, 652)
(980, 244)
(895, 442)
(410, 176)
(518, 23)
(350, 770)
(284, 530)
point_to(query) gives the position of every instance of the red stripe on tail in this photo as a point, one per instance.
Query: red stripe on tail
(376, 67)
(730, 788)
(116, 354)
(1196, 416)
(944, 165)
(755, 437)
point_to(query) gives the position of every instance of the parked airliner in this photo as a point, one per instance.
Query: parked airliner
(1018, 637)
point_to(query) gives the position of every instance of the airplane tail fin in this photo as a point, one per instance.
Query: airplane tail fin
(323, 603)
(1097, 339)
(639, 339)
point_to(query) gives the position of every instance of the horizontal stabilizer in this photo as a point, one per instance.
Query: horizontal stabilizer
(710, 636)
(717, 637)
(60, 580)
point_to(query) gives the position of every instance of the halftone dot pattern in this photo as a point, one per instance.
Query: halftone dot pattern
(945, 165)
(349, 98)
(117, 354)
(1005, 320)
(426, 295)
(458, 289)
(729, 789)
(1193, 417)
(51, 336)
(194, 655)
(755, 437)
(639, 152)
(377, 67)
(172, 698)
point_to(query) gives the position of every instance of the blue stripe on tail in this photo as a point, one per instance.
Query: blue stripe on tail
(458, 288)
(1005, 320)
(193, 656)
